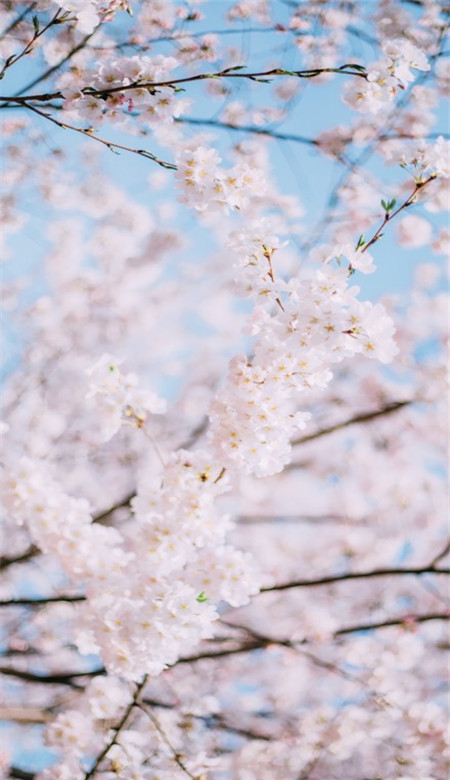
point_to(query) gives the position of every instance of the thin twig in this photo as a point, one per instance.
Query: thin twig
(17, 21)
(176, 756)
(112, 146)
(29, 46)
(440, 555)
(54, 68)
(116, 731)
(389, 215)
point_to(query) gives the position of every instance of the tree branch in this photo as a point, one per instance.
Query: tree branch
(30, 552)
(116, 731)
(40, 602)
(344, 70)
(21, 774)
(54, 68)
(439, 556)
(374, 573)
(17, 21)
(175, 755)
(112, 146)
(190, 120)
(389, 215)
(49, 679)
(29, 46)
(359, 418)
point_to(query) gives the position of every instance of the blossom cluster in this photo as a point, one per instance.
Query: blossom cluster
(155, 107)
(149, 589)
(118, 399)
(205, 185)
(319, 323)
(386, 76)
(86, 14)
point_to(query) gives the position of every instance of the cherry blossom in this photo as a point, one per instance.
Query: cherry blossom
(225, 549)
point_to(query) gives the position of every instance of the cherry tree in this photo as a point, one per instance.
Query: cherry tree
(225, 538)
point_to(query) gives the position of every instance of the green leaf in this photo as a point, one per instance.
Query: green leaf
(353, 65)
(388, 205)
(234, 67)
(36, 25)
(201, 598)
(361, 242)
(283, 72)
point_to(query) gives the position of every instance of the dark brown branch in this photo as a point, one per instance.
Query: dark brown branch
(123, 504)
(21, 774)
(52, 679)
(374, 573)
(247, 647)
(261, 640)
(224, 74)
(40, 602)
(6, 561)
(359, 418)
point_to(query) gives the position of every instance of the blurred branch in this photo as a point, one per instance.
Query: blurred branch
(408, 621)
(122, 504)
(17, 20)
(21, 774)
(52, 679)
(25, 714)
(54, 68)
(175, 755)
(190, 120)
(354, 576)
(359, 418)
(116, 731)
(439, 556)
(30, 552)
(29, 46)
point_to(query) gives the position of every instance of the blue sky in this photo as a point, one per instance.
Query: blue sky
(300, 169)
